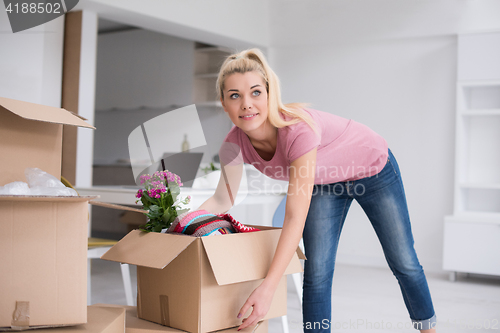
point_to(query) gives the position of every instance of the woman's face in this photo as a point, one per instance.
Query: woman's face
(245, 100)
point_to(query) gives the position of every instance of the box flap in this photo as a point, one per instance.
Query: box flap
(42, 113)
(149, 249)
(76, 115)
(300, 254)
(244, 256)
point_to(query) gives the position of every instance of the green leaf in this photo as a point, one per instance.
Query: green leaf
(147, 201)
(166, 217)
(155, 212)
(166, 200)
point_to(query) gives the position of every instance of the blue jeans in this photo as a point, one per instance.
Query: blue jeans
(382, 198)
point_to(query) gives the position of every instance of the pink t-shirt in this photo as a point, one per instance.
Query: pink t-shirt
(347, 150)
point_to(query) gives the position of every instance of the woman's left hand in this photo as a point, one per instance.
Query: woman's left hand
(260, 299)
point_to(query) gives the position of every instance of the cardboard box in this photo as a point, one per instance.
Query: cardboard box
(198, 284)
(100, 319)
(135, 325)
(43, 240)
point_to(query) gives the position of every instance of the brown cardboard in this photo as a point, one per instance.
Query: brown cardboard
(31, 136)
(43, 239)
(198, 284)
(100, 319)
(43, 258)
(135, 325)
(70, 91)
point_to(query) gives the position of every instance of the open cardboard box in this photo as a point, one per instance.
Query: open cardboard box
(135, 325)
(198, 284)
(43, 239)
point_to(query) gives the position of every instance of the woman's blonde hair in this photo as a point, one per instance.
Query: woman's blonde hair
(253, 60)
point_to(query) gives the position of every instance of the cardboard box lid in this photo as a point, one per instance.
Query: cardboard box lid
(249, 254)
(31, 136)
(137, 247)
(45, 113)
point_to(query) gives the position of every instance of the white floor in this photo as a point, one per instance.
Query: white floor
(365, 299)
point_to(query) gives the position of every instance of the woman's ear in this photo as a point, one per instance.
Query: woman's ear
(223, 106)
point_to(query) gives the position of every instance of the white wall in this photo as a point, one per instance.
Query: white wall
(478, 56)
(86, 99)
(31, 62)
(348, 21)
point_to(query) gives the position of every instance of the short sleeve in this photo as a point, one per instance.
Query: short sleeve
(301, 140)
(230, 152)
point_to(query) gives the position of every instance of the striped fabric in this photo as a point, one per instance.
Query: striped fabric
(201, 223)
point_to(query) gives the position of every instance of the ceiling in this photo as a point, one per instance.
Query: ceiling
(107, 26)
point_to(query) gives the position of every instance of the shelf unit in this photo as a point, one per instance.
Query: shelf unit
(472, 233)
(478, 150)
(208, 60)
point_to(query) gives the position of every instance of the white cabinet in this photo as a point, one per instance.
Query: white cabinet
(208, 60)
(472, 245)
(472, 234)
(478, 148)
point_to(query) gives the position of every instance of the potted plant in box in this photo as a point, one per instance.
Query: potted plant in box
(160, 197)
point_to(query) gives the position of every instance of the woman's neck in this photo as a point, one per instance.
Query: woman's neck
(264, 139)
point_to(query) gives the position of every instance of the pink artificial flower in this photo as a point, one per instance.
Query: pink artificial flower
(139, 194)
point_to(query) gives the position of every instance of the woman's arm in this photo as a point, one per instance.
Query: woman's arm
(225, 193)
(301, 182)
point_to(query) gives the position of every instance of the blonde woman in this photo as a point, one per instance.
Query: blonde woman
(328, 161)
